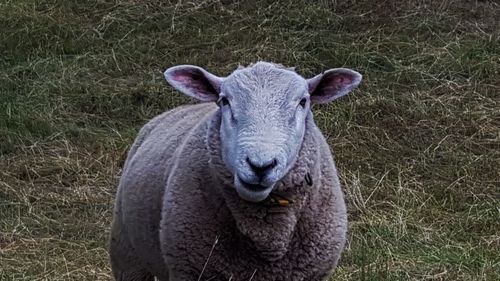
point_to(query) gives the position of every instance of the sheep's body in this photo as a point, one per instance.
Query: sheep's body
(176, 199)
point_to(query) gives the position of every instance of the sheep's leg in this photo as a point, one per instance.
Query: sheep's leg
(134, 276)
(124, 263)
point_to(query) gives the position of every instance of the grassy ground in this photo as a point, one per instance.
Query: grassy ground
(417, 145)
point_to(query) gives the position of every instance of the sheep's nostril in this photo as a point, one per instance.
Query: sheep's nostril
(273, 163)
(261, 169)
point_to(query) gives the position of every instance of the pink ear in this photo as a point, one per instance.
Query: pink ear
(195, 82)
(333, 84)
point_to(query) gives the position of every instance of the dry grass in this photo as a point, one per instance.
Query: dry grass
(418, 145)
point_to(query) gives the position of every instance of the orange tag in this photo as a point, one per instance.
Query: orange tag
(283, 202)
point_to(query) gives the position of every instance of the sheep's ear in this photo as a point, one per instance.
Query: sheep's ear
(195, 82)
(332, 84)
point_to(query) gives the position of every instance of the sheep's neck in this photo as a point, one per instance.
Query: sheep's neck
(269, 228)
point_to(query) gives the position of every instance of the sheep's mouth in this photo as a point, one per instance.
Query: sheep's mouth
(251, 192)
(253, 187)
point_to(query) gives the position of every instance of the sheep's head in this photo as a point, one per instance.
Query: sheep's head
(264, 109)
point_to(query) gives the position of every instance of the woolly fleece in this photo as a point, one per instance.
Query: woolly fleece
(178, 217)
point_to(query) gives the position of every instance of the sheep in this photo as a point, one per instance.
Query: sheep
(242, 186)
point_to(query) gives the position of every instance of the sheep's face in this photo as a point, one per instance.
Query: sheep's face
(263, 122)
(264, 109)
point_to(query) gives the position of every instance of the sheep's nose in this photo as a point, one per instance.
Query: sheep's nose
(262, 169)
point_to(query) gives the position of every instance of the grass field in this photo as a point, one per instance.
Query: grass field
(417, 145)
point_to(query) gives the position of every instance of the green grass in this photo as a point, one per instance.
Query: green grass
(417, 145)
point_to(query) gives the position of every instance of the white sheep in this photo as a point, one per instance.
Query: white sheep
(241, 187)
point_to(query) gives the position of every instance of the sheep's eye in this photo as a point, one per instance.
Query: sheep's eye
(303, 102)
(223, 101)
